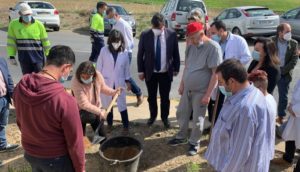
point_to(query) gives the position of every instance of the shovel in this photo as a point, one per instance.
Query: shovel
(97, 138)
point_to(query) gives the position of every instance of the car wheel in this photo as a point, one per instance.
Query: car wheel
(236, 31)
(134, 34)
(9, 19)
(56, 28)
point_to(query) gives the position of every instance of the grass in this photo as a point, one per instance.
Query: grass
(22, 169)
(192, 167)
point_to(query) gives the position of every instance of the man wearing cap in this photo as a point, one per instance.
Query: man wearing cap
(29, 37)
(158, 61)
(97, 31)
(198, 81)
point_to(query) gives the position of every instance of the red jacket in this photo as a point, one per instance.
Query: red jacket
(49, 120)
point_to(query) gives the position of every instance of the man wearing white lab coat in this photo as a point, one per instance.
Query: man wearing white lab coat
(233, 46)
(123, 26)
(116, 73)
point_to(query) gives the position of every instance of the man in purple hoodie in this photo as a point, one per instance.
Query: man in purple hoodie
(48, 117)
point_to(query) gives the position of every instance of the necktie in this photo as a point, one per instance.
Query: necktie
(158, 55)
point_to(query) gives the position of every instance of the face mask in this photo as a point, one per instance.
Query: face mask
(287, 36)
(112, 21)
(216, 38)
(255, 55)
(157, 32)
(223, 91)
(116, 45)
(64, 78)
(88, 81)
(200, 43)
(27, 19)
(103, 14)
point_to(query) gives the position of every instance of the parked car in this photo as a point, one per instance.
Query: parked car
(42, 11)
(250, 21)
(293, 18)
(127, 16)
(176, 13)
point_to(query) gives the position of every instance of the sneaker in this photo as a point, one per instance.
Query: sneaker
(193, 150)
(9, 147)
(140, 100)
(176, 142)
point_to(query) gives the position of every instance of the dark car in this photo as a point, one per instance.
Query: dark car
(127, 16)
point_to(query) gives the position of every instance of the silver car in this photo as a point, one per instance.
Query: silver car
(293, 18)
(250, 21)
(42, 11)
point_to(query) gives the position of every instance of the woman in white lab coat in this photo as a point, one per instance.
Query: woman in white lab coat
(291, 133)
(113, 63)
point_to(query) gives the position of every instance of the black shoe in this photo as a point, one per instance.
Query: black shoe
(193, 150)
(166, 123)
(150, 122)
(9, 147)
(176, 142)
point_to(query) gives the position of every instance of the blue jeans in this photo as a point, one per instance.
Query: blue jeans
(134, 87)
(283, 90)
(4, 112)
(58, 164)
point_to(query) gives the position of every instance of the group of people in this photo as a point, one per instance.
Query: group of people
(215, 78)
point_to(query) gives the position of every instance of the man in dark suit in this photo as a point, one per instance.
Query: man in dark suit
(158, 61)
(6, 91)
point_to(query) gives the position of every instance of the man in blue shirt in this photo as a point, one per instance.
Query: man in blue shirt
(239, 141)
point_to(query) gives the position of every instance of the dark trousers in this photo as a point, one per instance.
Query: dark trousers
(96, 48)
(124, 116)
(57, 164)
(4, 113)
(28, 68)
(211, 107)
(283, 90)
(163, 82)
(89, 118)
(289, 154)
(134, 87)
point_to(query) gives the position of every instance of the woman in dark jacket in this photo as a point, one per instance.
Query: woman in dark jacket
(265, 58)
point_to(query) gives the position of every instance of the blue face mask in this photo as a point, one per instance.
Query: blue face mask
(27, 19)
(255, 55)
(88, 81)
(64, 78)
(112, 21)
(223, 91)
(216, 38)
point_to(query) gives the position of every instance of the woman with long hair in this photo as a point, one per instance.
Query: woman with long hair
(265, 58)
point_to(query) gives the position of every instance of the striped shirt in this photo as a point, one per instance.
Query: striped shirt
(239, 142)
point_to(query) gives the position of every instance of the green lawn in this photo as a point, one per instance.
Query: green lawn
(276, 5)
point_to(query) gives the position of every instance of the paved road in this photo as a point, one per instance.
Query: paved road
(80, 43)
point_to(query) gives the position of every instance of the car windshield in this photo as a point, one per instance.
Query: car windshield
(40, 5)
(188, 5)
(255, 12)
(120, 10)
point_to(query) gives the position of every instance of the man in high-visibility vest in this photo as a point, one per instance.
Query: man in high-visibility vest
(97, 31)
(29, 37)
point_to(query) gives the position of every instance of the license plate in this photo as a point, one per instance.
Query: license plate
(43, 13)
(265, 22)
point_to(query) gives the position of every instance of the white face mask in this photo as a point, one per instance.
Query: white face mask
(157, 32)
(287, 36)
(116, 45)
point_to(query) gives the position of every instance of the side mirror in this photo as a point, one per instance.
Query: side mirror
(130, 13)
(10, 8)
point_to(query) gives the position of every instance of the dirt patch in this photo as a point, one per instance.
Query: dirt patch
(157, 156)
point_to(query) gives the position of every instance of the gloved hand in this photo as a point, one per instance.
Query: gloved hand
(13, 61)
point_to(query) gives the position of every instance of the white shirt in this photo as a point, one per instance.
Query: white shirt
(271, 122)
(126, 30)
(163, 48)
(237, 47)
(3, 89)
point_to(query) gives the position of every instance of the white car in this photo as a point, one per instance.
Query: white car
(250, 21)
(42, 11)
(176, 13)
